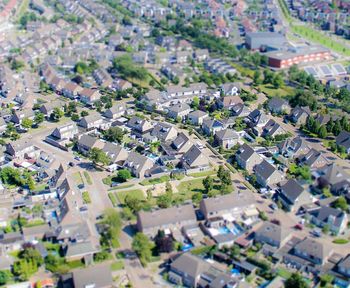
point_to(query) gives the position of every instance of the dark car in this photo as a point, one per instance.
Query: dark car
(71, 164)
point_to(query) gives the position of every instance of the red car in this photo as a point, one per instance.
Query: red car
(299, 227)
(276, 221)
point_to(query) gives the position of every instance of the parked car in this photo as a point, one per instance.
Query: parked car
(299, 227)
(276, 221)
(71, 164)
(273, 206)
(77, 158)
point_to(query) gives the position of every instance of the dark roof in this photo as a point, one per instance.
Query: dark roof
(245, 152)
(324, 214)
(265, 169)
(343, 139)
(314, 248)
(276, 103)
(273, 231)
(226, 134)
(291, 190)
(190, 264)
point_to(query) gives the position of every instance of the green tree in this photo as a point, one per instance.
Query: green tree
(322, 132)
(208, 184)
(39, 118)
(142, 247)
(84, 113)
(341, 203)
(98, 156)
(133, 203)
(114, 134)
(257, 77)
(3, 278)
(164, 200)
(56, 114)
(295, 281)
(277, 81)
(27, 123)
(326, 229)
(123, 175)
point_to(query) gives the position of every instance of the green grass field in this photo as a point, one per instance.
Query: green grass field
(203, 174)
(77, 178)
(135, 193)
(272, 92)
(154, 181)
(188, 188)
(317, 36)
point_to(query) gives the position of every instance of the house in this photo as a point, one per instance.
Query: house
(335, 219)
(247, 158)
(293, 148)
(93, 276)
(181, 144)
(71, 90)
(313, 251)
(197, 117)
(272, 129)
(240, 110)
(211, 126)
(102, 77)
(10, 241)
(94, 121)
(228, 102)
(201, 54)
(186, 270)
(343, 267)
(138, 164)
(49, 107)
(116, 111)
(22, 149)
(334, 177)
(195, 159)
(68, 131)
(83, 250)
(278, 106)
(226, 138)
(227, 206)
(115, 152)
(313, 159)
(170, 219)
(86, 142)
(299, 115)
(292, 195)
(164, 132)
(139, 126)
(121, 84)
(19, 115)
(183, 57)
(343, 140)
(257, 118)
(231, 89)
(179, 111)
(272, 234)
(3, 125)
(267, 175)
(89, 96)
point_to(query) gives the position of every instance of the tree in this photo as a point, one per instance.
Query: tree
(341, 203)
(11, 176)
(337, 128)
(164, 200)
(208, 183)
(98, 156)
(277, 81)
(295, 281)
(326, 279)
(322, 132)
(257, 77)
(325, 229)
(142, 247)
(3, 278)
(114, 134)
(123, 175)
(39, 118)
(27, 123)
(56, 114)
(84, 113)
(164, 243)
(133, 203)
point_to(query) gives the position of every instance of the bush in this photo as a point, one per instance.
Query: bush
(113, 199)
(86, 197)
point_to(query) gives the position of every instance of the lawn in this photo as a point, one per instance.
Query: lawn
(86, 197)
(87, 177)
(154, 181)
(75, 264)
(340, 241)
(273, 92)
(284, 273)
(135, 193)
(203, 174)
(78, 179)
(121, 187)
(40, 187)
(22, 8)
(118, 265)
(316, 36)
(113, 199)
(188, 188)
(34, 223)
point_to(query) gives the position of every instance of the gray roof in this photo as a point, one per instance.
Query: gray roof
(136, 161)
(87, 140)
(192, 155)
(277, 103)
(345, 263)
(229, 201)
(314, 248)
(334, 174)
(297, 112)
(212, 123)
(180, 140)
(324, 213)
(265, 169)
(312, 156)
(161, 130)
(343, 139)
(155, 218)
(177, 108)
(198, 113)
(273, 231)
(245, 152)
(190, 264)
(226, 134)
(80, 249)
(295, 145)
(271, 127)
(94, 276)
(291, 190)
